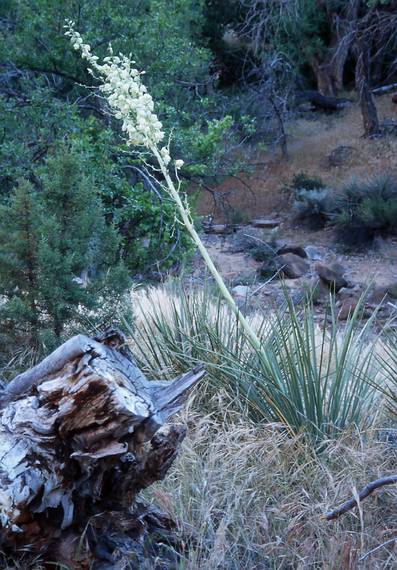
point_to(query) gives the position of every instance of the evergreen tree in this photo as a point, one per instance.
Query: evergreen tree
(20, 237)
(59, 259)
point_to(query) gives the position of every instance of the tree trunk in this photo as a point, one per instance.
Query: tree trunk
(342, 27)
(81, 434)
(367, 104)
(322, 71)
(329, 69)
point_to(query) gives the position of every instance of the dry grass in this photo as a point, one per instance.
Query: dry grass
(310, 142)
(254, 498)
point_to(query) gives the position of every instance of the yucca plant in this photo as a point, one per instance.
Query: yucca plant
(274, 370)
(388, 363)
(314, 377)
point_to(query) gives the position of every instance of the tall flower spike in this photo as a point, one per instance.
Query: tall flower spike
(132, 104)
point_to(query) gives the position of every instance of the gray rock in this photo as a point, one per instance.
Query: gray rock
(332, 275)
(318, 291)
(241, 291)
(380, 293)
(315, 253)
(291, 266)
(347, 306)
(265, 223)
(348, 293)
(342, 156)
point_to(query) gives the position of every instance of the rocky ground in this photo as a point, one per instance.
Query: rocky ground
(261, 258)
(280, 253)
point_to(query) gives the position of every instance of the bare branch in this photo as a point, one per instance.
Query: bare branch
(368, 489)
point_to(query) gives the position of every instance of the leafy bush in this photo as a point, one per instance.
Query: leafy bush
(311, 200)
(365, 209)
(153, 240)
(311, 378)
(301, 180)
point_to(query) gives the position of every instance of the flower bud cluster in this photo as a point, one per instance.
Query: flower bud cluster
(126, 94)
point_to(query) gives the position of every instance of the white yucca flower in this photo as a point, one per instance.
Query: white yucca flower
(126, 94)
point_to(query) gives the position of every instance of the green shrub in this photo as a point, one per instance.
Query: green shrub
(307, 182)
(312, 378)
(312, 200)
(313, 206)
(365, 209)
(152, 239)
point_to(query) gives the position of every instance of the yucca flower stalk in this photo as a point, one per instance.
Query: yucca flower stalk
(130, 102)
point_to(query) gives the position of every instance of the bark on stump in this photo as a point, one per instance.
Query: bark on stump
(81, 434)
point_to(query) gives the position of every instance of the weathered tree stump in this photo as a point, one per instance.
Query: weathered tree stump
(81, 434)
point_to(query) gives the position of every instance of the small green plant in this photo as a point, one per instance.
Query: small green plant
(366, 208)
(304, 180)
(313, 206)
(311, 200)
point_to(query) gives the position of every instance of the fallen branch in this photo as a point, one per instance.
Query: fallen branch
(363, 494)
(384, 89)
(383, 545)
(320, 101)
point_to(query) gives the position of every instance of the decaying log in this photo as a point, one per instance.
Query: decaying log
(81, 434)
(322, 102)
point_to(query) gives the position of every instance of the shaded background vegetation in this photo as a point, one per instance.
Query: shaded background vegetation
(226, 77)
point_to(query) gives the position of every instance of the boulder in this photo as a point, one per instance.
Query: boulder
(347, 306)
(342, 156)
(380, 293)
(315, 253)
(241, 291)
(291, 266)
(332, 275)
(295, 249)
(317, 290)
(348, 293)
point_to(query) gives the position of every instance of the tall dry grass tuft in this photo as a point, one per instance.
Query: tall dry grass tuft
(252, 498)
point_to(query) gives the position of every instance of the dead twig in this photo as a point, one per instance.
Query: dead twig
(378, 548)
(364, 493)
